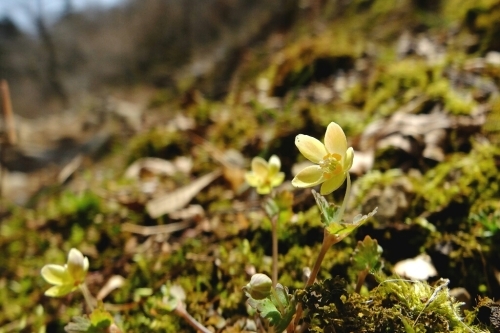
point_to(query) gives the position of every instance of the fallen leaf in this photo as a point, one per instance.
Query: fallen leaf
(153, 165)
(179, 198)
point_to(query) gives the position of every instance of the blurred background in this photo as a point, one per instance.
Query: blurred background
(84, 72)
(53, 53)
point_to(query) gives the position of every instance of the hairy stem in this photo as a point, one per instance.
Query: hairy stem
(89, 299)
(328, 241)
(361, 279)
(274, 231)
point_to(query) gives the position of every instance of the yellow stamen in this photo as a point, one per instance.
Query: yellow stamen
(330, 165)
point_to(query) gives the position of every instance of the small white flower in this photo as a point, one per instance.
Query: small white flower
(333, 160)
(66, 278)
(265, 175)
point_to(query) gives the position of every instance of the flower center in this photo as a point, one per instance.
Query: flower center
(330, 165)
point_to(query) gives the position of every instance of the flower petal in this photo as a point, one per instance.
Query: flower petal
(55, 274)
(77, 265)
(332, 184)
(335, 140)
(274, 165)
(264, 189)
(260, 167)
(59, 291)
(277, 179)
(308, 177)
(252, 179)
(349, 157)
(311, 148)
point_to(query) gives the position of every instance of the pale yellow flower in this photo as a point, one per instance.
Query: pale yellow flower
(265, 175)
(66, 278)
(333, 160)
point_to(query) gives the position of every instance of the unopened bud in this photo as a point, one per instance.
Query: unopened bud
(259, 287)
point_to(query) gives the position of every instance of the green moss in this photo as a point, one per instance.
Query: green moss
(464, 178)
(312, 59)
(491, 126)
(157, 142)
(394, 306)
(395, 84)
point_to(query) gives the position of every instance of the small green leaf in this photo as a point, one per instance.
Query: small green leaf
(77, 325)
(99, 321)
(266, 309)
(99, 318)
(367, 255)
(329, 212)
(343, 229)
(172, 295)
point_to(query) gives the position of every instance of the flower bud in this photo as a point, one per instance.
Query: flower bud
(259, 287)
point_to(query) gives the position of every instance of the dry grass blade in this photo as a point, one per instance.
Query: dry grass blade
(154, 230)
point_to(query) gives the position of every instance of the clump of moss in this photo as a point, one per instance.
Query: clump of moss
(467, 179)
(394, 306)
(157, 142)
(396, 84)
(312, 60)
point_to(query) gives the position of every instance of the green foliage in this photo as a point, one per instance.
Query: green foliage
(396, 84)
(158, 142)
(367, 255)
(487, 218)
(99, 321)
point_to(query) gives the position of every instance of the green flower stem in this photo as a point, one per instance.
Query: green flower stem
(181, 312)
(328, 241)
(89, 299)
(361, 279)
(274, 231)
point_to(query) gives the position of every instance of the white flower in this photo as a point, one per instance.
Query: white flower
(333, 160)
(66, 278)
(265, 175)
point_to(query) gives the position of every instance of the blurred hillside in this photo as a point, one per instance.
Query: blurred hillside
(149, 42)
(177, 44)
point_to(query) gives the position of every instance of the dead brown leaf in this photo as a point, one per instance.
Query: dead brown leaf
(179, 198)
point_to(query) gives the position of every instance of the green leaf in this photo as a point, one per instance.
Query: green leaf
(266, 309)
(77, 325)
(342, 229)
(172, 296)
(332, 219)
(100, 318)
(99, 321)
(329, 212)
(367, 255)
